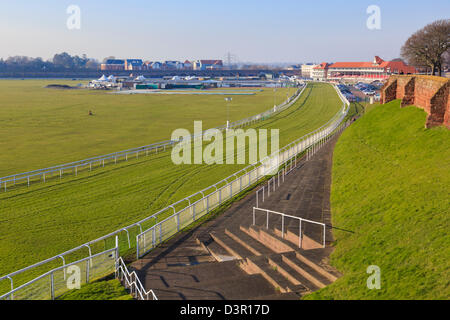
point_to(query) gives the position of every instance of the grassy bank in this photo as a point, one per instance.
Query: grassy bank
(391, 179)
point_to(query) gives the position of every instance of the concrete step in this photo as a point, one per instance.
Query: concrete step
(218, 252)
(291, 274)
(260, 265)
(251, 244)
(268, 239)
(234, 248)
(328, 274)
(320, 257)
(297, 262)
(307, 242)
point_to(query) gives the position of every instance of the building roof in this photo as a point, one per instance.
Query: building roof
(323, 65)
(212, 62)
(135, 62)
(378, 63)
(114, 61)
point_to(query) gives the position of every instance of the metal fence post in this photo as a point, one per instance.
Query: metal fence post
(52, 286)
(87, 271)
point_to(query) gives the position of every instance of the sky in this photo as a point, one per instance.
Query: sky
(261, 31)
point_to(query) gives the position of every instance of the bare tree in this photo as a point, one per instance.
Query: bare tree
(427, 46)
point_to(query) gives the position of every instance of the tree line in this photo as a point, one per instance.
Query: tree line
(60, 61)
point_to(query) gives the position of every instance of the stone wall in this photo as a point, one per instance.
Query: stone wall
(432, 94)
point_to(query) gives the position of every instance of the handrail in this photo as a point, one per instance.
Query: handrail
(283, 215)
(132, 281)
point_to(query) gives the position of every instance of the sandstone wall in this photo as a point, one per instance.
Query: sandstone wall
(432, 94)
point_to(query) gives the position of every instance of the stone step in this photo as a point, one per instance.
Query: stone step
(269, 240)
(307, 242)
(320, 257)
(260, 265)
(296, 262)
(251, 244)
(330, 275)
(291, 274)
(217, 251)
(230, 245)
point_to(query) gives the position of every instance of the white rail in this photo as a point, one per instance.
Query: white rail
(131, 281)
(283, 216)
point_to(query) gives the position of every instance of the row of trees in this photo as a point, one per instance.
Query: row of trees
(61, 61)
(429, 47)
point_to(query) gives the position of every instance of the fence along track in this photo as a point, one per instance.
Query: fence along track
(165, 229)
(202, 201)
(27, 178)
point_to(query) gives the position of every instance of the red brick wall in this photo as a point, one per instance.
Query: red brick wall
(432, 94)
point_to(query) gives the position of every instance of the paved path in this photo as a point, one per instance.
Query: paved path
(183, 269)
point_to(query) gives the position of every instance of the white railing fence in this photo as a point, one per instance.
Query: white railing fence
(264, 192)
(73, 168)
(131, 282)
(58, 281)
(285, 217)
(225, 189)
(157, 227)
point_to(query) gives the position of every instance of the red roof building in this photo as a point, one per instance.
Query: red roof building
(320, 71)
(378, 69)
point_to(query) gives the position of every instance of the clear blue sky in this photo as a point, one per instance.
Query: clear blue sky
(254, 30)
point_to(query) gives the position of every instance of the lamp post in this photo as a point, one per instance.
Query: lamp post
(228, 100)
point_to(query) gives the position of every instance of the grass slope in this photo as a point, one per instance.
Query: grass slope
(391, 179)
(100, 290)
(42, 127)
(47, 219)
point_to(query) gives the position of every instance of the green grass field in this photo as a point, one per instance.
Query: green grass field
(99, 290)
(391, 179)
(43, 127)
(47, 219)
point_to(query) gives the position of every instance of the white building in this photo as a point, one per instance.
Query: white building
(307, 70)
(319, 72)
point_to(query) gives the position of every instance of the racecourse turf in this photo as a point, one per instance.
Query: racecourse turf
(46, 219)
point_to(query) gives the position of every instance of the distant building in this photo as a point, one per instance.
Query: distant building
(208, 64)
(113, 65)
(319, 72)
(170, 65)
(378, 69)
(187, 65)
(134, 64)
(156, 65)
(307, 70)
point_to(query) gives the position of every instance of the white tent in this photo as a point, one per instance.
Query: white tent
(140, 78)
(111, 78)
(103, 78)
